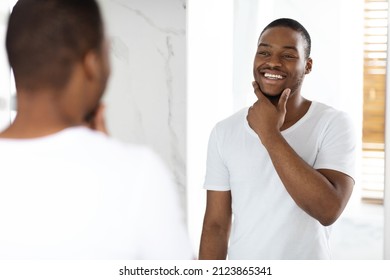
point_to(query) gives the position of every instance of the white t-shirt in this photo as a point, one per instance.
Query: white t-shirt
(78, 194)
(267, 223)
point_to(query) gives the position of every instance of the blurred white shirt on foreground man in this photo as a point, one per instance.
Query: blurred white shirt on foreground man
(78, 194)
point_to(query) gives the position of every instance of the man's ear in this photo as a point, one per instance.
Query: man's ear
(91, 65)
(309, 65)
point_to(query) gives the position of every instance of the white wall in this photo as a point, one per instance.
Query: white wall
(4, 69)
(210, 99)
(146, 95)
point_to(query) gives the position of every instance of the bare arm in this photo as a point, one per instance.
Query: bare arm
(216, 226)
(323, 194)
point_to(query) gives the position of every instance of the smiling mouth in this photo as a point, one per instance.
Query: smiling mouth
(273, 76)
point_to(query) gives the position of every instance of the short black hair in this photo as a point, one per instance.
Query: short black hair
(45, 38)
(294, 25)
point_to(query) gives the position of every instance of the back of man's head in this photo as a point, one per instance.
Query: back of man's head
(45, 38)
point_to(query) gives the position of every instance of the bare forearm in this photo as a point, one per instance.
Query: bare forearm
(310, 189)
(213, 244)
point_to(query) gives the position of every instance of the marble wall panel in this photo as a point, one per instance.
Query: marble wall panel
(146, 95)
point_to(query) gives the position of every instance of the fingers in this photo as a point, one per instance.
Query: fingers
(283, 100)
(96, 119)
(99, 120)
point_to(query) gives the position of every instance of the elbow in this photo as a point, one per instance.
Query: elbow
(330, 216)
(328, 211)
(327, 221)
(327, 214)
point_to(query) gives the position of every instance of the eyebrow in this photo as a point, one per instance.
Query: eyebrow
(284, 47)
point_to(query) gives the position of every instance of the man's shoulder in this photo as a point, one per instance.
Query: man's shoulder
(327, 113)
(88, 145)
(234, 120)
(110, 146)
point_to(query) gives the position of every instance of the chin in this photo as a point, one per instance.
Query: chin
(274, 98)
(271, 93)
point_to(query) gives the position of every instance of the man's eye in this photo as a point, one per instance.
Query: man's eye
(262, 53)
(289, 56)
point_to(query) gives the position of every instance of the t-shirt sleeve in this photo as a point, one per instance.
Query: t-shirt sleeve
(217, 173)
(338, 147)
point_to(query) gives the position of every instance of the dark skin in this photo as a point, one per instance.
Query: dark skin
(280, 65)
(45, 110)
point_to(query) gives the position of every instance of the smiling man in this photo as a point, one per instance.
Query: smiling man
(283, 169)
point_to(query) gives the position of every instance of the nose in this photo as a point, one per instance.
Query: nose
(274, 61)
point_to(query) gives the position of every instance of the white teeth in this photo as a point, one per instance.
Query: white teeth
(272, 76)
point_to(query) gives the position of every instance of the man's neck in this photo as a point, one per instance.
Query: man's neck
(38, 116)
(297, 106)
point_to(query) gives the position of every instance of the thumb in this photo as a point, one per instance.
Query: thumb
(283, 101)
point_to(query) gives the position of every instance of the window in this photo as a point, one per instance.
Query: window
(375, 55)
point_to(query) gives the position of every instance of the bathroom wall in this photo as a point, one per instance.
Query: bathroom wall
(210, 92)
(146, 95)
(4, 69)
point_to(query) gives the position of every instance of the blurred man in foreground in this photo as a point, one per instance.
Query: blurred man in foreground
(67, 190)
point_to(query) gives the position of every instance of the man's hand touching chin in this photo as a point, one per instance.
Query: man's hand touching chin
(96, 120)
(265, 118)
